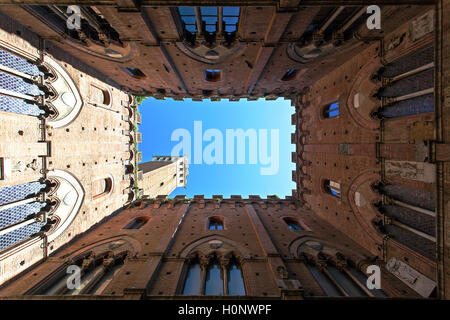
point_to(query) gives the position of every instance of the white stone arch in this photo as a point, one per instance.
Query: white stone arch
(68, 101)
(71, 195)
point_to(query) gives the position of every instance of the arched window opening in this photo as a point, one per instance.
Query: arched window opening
(230, 16)
(135, 73)
(331, 110)
(209, 19)
(102, 187)
(336, 277)
(19, 208)
(291, 74)
(214, 280)
(99, 95)
(208, 276)
(187, 15)
(293, 224)
(192, 284)
(345, 282)
(333, 188)
(21, 92)
(95, 275)
(235, 281)
(362, 278)
(213, 75)
(136, 223)
(215, 223)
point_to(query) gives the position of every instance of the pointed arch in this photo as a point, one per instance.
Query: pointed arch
(70, 192)
(192, 247)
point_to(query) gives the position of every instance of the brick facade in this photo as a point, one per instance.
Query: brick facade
(371, 181)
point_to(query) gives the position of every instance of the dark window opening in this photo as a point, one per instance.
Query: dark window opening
(187, 15)
(215, 223)
(291, 74)
(333, 188)
(207, 19)
(102, 187)
(331, 110)
(293, 224)
(214, 280)
(136, 223)
(213, 75)
(135, 73)
(192, 284)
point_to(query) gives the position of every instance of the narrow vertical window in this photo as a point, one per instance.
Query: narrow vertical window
(352, 288)
(331, 110)
(333, 188)
(187, 15)
(230, 16)
(235, 281)
(192, 284)
(209, 19)
(363, 280)
(328, 287)
(214, 281)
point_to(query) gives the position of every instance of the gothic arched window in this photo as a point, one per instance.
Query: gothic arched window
(209, 20)
(21, 91)
(214, 276)
(95, 275)
(293, 224)
(331, 110)
(214, 280)
(334, 275)
(187, 15)
(19, 212)
(215, 223)
(328, 287)
(192, 284)
(235, 281)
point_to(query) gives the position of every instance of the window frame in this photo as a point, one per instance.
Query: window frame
(213, 75)
(327, 109)
(328, 188)
(219, 219)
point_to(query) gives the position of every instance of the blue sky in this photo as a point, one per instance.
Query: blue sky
(160, 118)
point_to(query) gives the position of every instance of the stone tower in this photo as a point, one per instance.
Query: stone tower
(162, 175)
